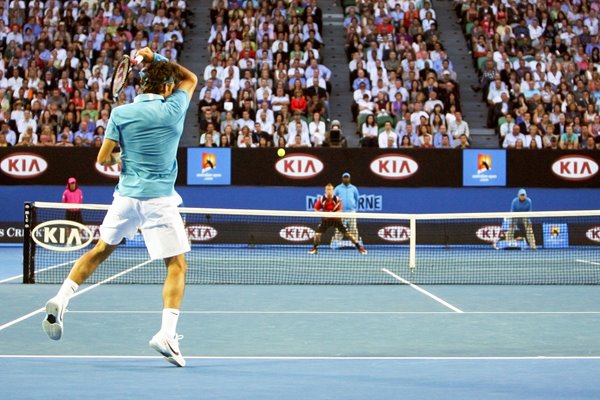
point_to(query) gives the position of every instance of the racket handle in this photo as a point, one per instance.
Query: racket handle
(138, 59)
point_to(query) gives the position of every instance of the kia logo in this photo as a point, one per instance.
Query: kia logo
(489, 233)
(201, 233)
(23, 165)
(297, 233)
(62, 235)
(394, 166)
(112, 171)
(299, 166)
(575, 168)
(593, 234)
(394, 233)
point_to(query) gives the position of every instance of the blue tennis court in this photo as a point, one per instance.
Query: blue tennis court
(306, 341)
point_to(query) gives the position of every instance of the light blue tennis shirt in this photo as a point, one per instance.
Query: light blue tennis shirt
(349, 196)
(521, 206)
(148, 131)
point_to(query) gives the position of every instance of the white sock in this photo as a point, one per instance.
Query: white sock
(67, 290)
(169, 321)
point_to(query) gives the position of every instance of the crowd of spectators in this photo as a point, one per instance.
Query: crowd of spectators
(539, 63)
(405, 89)
(58, 58)
(266, 84)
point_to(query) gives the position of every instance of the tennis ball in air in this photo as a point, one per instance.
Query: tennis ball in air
(281, 152)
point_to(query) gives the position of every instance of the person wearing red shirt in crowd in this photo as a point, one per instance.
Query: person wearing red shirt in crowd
(331, 203)
(298, 102)
(73, 195)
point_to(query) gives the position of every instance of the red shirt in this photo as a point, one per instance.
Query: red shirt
(328, 205)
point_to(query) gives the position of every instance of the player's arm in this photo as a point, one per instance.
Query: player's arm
(318, 206)
(513, 205)
(188, 82)
(106, 155)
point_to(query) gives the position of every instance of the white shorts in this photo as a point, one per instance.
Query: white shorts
(158, 219)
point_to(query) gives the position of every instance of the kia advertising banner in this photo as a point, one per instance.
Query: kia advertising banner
(396, 232)
(54, 165)
(553, 168)
(316, 167)
(369, 167)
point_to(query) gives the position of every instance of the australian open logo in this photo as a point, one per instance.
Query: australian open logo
(484, 170)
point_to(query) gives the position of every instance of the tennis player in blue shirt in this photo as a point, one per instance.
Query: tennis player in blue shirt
(148, 133)
(521, 203)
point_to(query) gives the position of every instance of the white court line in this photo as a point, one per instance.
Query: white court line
(588, 262)
(38, 271)
(12, 278)
(87, 289)
(306, 358)
(425, 292)
(258, 312)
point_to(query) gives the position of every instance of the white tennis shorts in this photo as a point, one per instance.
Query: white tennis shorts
(158, 219)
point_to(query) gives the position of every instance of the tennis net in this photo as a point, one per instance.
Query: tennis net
(271, 247)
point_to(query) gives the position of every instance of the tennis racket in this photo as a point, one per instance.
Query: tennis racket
(121, 74)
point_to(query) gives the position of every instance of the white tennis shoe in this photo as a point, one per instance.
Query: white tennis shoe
(168, 347)
(53, 323)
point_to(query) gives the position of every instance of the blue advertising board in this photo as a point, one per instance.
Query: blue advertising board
(484, 167)
(209, 166)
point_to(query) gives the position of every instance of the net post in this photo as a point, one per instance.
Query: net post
(28, 245)
(412, 253)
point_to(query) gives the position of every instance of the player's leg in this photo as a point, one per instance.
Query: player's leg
(316, 242)
(165, 237)
(174, 285)
(323, 225)
(120, 221)
(344, 229)
(166, 341)
(510, 232)
(529, 233)
(83, 268)
(89, 262)
(352, 228)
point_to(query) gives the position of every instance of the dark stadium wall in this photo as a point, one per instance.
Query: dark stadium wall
(373, 199)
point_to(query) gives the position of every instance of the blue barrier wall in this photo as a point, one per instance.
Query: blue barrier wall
(397, 200)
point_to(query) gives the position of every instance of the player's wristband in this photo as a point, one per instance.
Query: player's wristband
(159, 58)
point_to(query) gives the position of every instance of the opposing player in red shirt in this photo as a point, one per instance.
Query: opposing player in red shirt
(331, 203)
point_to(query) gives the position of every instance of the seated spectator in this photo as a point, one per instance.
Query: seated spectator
(298, 102)
(387, 138)
(405, 143)
(369, 132)
(213, 133)
(569, 139)
(510, 140)
(463, 142)
(297, 142)
(3, 142)
(316, 130)
(25, 141)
